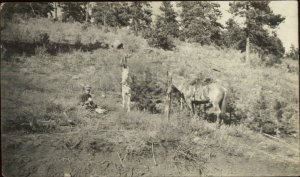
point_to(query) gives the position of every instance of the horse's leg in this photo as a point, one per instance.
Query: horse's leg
(193, 107)
(199, 110)
(218, 112)
(219, 120)
(187, 102)
(204, 111)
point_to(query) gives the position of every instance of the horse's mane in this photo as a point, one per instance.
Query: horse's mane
(195, 81)
(199, 81)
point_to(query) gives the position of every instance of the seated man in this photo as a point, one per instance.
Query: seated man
(86, 99)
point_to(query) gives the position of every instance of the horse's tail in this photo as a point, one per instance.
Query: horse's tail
(223, 106)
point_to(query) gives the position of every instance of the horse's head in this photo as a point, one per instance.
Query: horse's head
(172, 89)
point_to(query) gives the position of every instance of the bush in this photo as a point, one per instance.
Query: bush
(270, 60)
(41, 51)
(147, 92)
(160, 40)
(262, 118)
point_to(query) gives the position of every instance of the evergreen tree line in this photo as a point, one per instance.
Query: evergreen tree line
(196, 22)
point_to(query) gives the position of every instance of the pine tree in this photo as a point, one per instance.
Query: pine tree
(293, 53)
(112, 14)
(73, 11)
(199, 21)
(165, 28)
(30, 9)
(140, 15)
(234, 35)
(101, 12)
(257, 15)
(168, 18)
(161, 37)
(55, 4)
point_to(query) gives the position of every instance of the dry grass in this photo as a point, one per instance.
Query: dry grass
(46, 87)
(31, 31)
(68, 72)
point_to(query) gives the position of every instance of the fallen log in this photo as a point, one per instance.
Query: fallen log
(274, 138)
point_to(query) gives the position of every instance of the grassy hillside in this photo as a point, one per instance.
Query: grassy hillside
(69, 139)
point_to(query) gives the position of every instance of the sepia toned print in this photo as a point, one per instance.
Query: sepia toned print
(165, 88)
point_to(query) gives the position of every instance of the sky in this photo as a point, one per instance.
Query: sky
(287, 30)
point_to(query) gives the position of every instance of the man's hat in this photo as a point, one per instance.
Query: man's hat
(87, 87)
(127, 55)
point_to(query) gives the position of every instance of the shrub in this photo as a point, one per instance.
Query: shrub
(41, 51)
(163, 41)
(262, 117)
(147, 92)
(270, 60)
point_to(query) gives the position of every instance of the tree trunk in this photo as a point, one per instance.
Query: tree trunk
(32, 9)
(248, 51)
(104, 20)
(55, 11)
(247, 57)
(87, 12)
(135, 28)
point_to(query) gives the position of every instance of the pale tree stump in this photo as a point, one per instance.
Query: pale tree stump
(126, 90)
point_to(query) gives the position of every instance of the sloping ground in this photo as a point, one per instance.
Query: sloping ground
(33, 29)
(36, 35)
(44, 87)
(43, 31)
(83, 143)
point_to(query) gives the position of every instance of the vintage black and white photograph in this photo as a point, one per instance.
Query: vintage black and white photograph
(149, 88)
